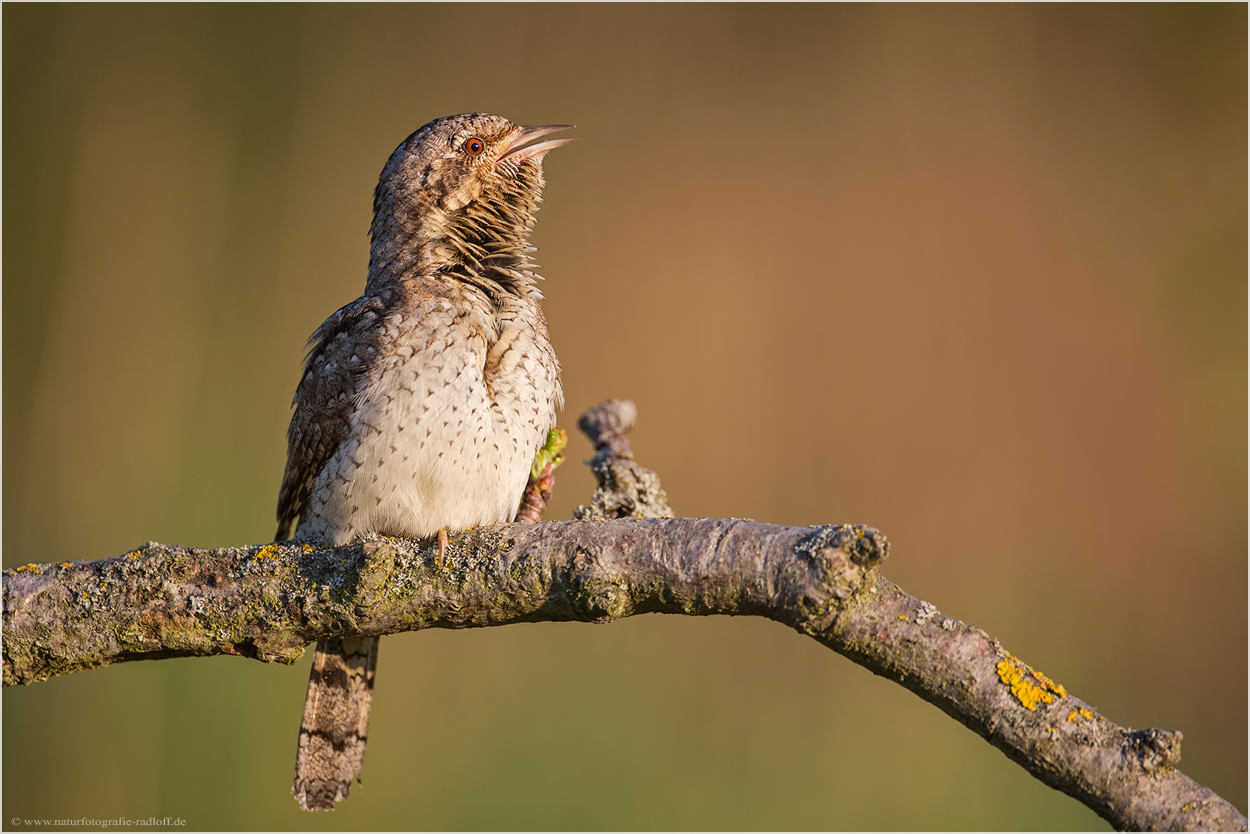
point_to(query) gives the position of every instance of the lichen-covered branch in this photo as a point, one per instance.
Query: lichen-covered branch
(626, 490)
(1126, 776)
(268, 602)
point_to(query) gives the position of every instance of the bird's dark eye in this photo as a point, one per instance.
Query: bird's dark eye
(474, 146)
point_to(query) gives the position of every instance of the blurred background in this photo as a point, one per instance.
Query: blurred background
(973, 275)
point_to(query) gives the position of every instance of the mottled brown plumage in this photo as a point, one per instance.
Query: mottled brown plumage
(335, 725)
(424, 401)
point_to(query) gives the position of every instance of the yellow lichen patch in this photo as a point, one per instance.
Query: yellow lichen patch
(1048, 684)
(1080, 713)
(31, 566)
(902, 616)
(269, 551)
(67, 564)
(1029, 686)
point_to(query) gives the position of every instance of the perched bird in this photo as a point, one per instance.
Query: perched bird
(423, 401)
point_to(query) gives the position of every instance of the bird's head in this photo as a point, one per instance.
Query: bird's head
(458, 196)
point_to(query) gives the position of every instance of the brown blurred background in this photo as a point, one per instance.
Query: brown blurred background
(973, 275)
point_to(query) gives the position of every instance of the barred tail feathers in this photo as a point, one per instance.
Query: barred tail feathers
(335, 726)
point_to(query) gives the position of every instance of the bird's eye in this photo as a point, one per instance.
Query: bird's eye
(474, 146)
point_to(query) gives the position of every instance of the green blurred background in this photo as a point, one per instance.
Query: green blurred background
(973, 275)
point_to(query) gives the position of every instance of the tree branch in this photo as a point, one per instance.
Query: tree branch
(268, 602)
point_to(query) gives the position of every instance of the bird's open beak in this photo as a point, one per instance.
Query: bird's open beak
(518, 151)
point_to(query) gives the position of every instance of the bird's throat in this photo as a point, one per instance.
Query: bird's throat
(484, 244)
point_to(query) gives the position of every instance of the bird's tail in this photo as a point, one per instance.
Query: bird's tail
(335, 728)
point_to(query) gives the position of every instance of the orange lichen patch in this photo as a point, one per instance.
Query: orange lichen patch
(902, 616)
(1080, 713)
(31, 566)
(1029, 686)
(67, 564)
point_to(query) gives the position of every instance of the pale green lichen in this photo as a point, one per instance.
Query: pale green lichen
(556, 440)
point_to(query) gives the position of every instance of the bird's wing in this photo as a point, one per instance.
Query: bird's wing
(342, 351)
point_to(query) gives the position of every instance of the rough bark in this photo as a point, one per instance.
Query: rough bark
(626, 490)
(268, 602)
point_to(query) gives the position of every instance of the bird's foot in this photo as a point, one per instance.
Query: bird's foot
(442, 547)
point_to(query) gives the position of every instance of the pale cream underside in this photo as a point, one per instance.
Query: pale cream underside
(436, 441)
